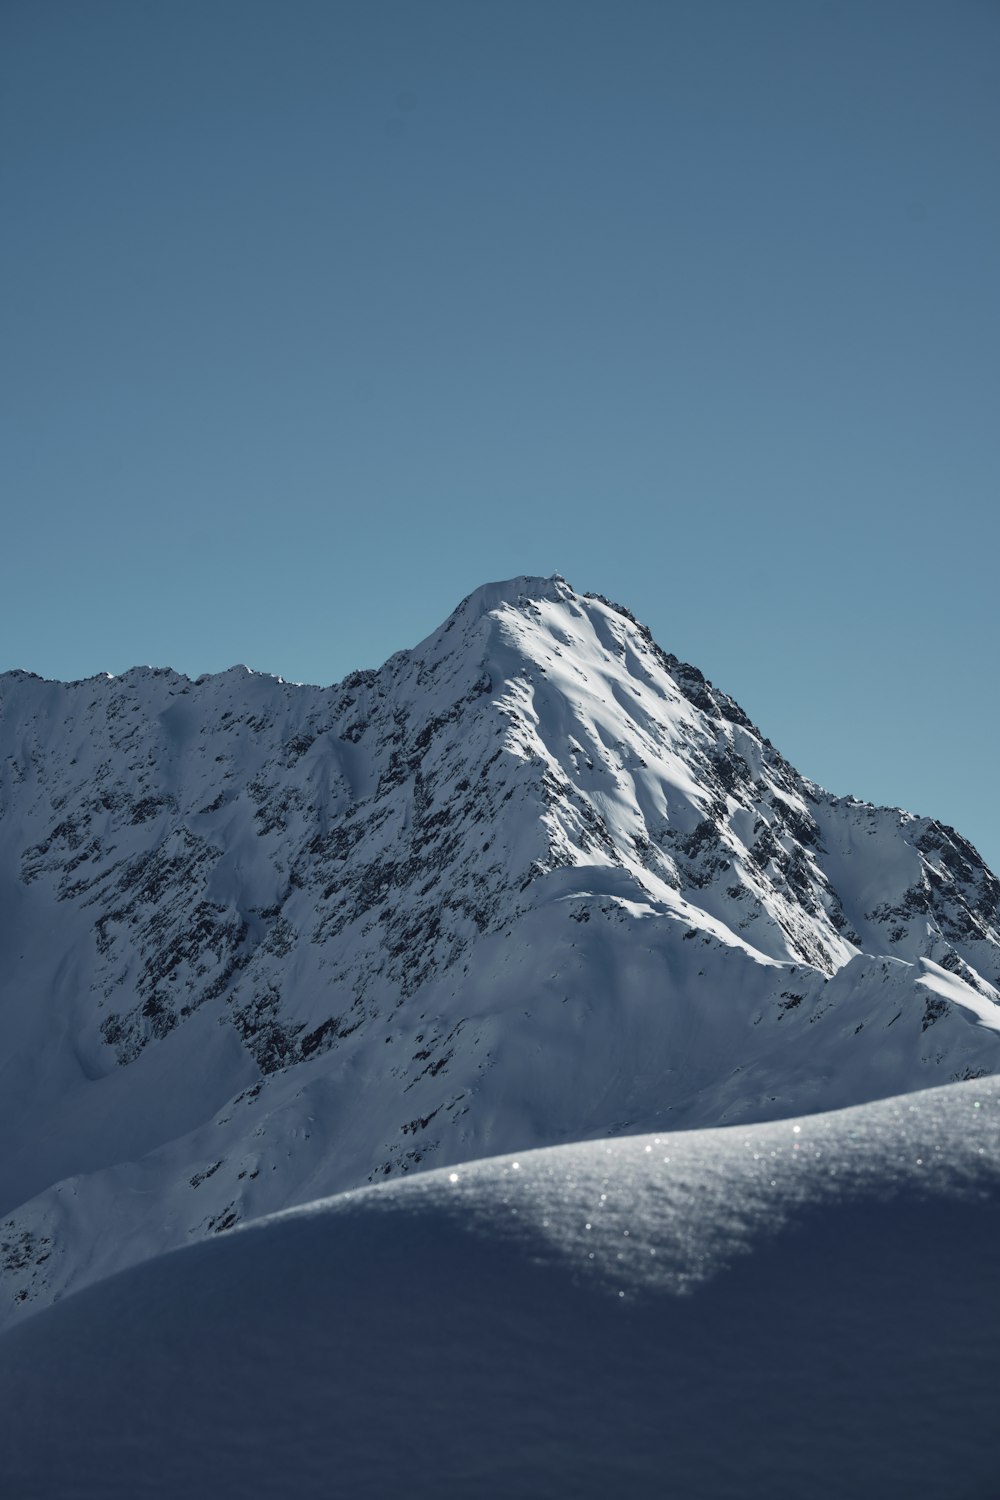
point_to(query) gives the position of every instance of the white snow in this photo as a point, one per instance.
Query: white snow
(801, 1308)
(986, 1008)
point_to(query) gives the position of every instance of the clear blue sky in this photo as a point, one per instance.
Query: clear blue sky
(316, 315)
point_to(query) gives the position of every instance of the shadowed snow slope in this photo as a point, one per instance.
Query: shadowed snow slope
(807, 1308)
(533, 881)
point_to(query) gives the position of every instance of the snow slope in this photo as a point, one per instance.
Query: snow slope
(534, 881)
(801, 1308)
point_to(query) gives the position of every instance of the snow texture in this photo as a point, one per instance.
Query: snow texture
(807, 1307)
(534, 881)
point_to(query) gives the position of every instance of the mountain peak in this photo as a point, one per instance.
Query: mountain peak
(512, 593)
(515, 591)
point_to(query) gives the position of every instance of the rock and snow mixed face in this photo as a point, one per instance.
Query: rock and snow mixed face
(532, 881)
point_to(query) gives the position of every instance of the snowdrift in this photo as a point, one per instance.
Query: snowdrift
(801, 1308)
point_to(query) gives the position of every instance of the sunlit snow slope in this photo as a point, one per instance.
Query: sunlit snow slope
(806, 1308)
(533, 881)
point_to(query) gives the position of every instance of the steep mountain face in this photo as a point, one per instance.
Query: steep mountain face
(532, 881)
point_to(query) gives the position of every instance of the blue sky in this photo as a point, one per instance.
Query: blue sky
(317, 315)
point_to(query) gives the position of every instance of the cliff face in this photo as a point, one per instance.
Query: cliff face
(532, 881)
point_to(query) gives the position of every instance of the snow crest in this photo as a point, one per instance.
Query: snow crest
(806, 1307)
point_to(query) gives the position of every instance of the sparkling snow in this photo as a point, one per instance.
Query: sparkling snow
(800, 1308)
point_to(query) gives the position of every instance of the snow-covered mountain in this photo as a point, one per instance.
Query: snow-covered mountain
(534, 881)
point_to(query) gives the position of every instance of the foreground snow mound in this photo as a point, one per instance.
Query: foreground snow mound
(803, 1308)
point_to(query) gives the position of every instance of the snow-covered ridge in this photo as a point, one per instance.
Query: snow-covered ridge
(534, 880)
